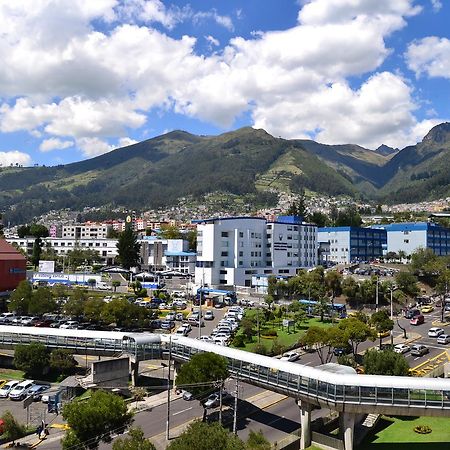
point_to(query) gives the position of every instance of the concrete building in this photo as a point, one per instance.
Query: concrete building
(351, 244)
(107, 248)
(408, 237)
(13, 267)
(230, 251)
(167, 254)
(88, 230)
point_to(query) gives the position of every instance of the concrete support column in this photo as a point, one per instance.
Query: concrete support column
(305, 420)
(347, 425)
(134, 370)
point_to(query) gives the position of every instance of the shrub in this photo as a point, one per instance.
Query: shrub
(422, 429)
(239, 341)
(271, 333)
(260, 349)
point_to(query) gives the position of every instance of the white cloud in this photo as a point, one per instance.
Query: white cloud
(126, 141)
(437, 5)
(212, 41)
(14, 157)
(431, 56)
(65, 78)
(48, 145)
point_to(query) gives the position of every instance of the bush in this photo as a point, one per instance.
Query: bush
(239, 341)
(423, 429)
(271, 333)
(260, 349)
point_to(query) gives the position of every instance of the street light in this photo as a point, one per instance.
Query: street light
(392, 288)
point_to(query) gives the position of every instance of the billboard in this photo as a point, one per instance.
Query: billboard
(47, 266)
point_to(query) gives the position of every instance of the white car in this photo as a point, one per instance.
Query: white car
(435, 332)
(401, 348)
(209, 315)
(70, 325)
(7, 388)
(206, 338)
(290, 356)
(20, 391)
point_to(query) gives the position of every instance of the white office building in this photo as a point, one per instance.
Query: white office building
(107, 248)
(88, 230)
(232, 250)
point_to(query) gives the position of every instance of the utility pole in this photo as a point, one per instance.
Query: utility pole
(200, 305)
(220, 401)
(236, 393)
(168, 390)
(392, 314)
(376, 296)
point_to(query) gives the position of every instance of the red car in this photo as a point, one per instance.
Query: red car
(417, 320)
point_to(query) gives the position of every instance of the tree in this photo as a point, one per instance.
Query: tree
(94, 420)
(32, 358)
(115, 284)
(204, 368)
(322, 307)
(62, 361)
(201, 436)
(191, 237)
(385, 362)
(298, 207)
(348, 217)
(247, 327)
(13, 429)
(37, 249)
(381, 322)
(75, 305)
(42, 302)
(170, 232)
(257, 441)
(320, 219)
(407, 283)
(38, 231)
(20, 298)
(80, 256)
(134, 441)
(92, 309)
(424, 261)
(356, 331)
(323, 341)
(128, 248)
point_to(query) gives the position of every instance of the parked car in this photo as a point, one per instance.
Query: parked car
(37, 390)
(419, 350)
(443, 339)
(214, 399)
(435, 332)
(179, 317)
(402, 348)
(20, 391)
(187, 395)
(209, 315)
(290, 356)
(417, 320)
(167, 324)
(7, 388)
(70, 325)
(170, 316)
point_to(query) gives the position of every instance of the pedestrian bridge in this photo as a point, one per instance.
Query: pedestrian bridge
(341, 392)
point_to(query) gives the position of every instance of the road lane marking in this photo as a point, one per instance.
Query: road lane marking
(182, 411)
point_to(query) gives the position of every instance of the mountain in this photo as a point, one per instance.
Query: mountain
(385, 150)
(248, 163)
(420, 172)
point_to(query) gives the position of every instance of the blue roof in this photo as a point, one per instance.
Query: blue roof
(334, 229)
(413, 226)
(215, 219)
(290, 219)
(180, 254)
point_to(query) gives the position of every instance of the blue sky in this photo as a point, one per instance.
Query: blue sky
(83, 77)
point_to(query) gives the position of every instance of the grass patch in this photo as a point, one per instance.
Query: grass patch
(399, 431)
(12, 374)
(284, 338)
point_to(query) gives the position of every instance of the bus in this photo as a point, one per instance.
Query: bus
(339, 309)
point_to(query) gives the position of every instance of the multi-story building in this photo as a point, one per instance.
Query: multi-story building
(166, 254)
(88, 230)
(107, 248)
(408, 237)
(232, 250)
(345, 245)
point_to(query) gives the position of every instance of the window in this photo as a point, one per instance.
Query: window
(241, 253)
(241, 234)
(224, 234)
(406, 241)
(224, 254)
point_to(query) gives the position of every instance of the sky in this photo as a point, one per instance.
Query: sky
(81, 77)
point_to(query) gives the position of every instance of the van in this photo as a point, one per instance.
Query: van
(20, 391)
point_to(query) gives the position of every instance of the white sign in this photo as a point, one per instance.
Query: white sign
(47, 266)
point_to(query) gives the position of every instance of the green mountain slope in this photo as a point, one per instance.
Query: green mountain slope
(246, 162)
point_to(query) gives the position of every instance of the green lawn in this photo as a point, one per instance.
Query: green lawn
(397, 432)
(12, 374)
(284, 338)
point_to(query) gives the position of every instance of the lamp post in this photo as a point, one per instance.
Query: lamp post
(376, 295)
(168, 389)
(392, 288)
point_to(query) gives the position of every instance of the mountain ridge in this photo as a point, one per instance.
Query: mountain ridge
(246, 162)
